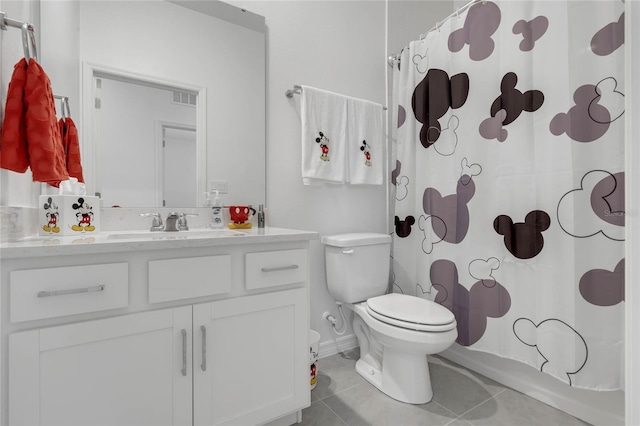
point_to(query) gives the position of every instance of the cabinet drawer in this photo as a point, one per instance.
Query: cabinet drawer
(54, 292)
(274, 268)
(176, 279)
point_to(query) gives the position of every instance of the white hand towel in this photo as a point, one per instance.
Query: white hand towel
(365, 140)
(324, 130)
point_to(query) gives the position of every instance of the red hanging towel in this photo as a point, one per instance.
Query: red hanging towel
(71, 146)
(13, 140)
(46, 153)
(40, 143)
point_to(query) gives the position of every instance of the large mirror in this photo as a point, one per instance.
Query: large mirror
(148, 141)
(173, 102)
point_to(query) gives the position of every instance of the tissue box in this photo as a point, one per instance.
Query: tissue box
(68, 215)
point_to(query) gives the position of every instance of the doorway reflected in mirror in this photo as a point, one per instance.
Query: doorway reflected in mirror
(147, 150)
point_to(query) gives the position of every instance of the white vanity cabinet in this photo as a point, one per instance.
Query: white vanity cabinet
(245, 367)
(125, 370)
(204, 334)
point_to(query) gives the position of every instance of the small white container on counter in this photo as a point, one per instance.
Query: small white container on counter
(68, 215)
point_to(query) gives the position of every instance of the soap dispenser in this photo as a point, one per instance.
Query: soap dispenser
(217, 218)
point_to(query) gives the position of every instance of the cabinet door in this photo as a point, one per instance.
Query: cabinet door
(128, 370)
(256, 354)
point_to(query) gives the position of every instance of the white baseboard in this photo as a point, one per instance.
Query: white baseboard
(597, 408)
(340, 344)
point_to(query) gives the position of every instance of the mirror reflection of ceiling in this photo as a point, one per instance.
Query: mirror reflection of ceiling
(180, 42)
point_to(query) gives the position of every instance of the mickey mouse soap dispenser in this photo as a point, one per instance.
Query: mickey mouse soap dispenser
(217, 215)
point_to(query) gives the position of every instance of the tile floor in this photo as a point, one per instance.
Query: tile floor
(461, 398)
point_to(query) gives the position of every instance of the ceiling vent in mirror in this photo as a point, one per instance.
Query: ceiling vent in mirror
(184, 98)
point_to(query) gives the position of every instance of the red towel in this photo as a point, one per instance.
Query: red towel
(30, 132)
(13, 139)
(71, 146)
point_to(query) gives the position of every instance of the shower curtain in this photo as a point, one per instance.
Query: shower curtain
(509, 182)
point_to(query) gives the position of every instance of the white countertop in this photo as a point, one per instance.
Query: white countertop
(109, 242)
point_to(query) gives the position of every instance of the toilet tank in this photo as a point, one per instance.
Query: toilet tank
(357, 265)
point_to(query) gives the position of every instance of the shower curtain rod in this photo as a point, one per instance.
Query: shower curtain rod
(27, 33)
(297, 89)
(392, 59)
(456, 13)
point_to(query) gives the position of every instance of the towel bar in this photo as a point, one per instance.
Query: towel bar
(28, 36)
(297, 89)
(64, 105)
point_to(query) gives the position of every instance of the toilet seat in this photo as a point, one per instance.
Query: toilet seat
(410, 312)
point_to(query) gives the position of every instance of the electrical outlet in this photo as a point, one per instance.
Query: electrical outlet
(222, 186)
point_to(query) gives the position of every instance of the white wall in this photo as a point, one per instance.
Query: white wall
(338, 46)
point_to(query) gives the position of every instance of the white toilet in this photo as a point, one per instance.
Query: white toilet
(395, 332)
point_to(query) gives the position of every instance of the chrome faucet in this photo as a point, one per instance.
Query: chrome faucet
(156, 224)
(174, 222)
(182, 221)
(170, 225)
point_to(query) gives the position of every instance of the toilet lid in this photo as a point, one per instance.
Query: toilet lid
(411, 312)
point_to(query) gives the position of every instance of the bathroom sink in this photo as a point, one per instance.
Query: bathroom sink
(148, 235)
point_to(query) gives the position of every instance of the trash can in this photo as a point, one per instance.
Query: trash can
(314, 340)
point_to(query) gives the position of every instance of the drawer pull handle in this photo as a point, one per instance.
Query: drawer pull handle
(348, 251)
(280, 268)
(70, 291)
(184, 352)
(203, 365)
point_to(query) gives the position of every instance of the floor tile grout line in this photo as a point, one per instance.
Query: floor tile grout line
(460, 419)
(486, 400)
(339, 392)
(456, 416)
(442, 406)
(334, 413)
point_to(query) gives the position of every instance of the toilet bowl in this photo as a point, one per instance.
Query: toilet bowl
(395, 332)
(393, 352)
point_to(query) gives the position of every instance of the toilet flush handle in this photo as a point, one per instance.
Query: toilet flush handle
(347, 251)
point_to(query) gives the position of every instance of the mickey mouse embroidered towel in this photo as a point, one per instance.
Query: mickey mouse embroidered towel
(365, 141)
(324, 132)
